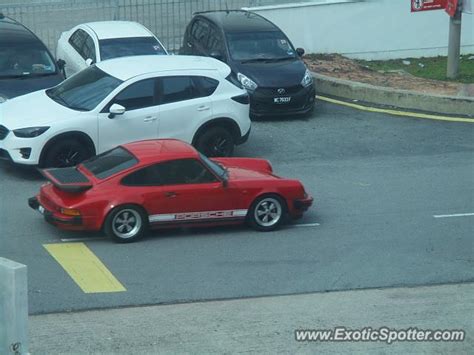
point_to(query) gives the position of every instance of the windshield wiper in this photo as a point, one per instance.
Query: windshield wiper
(256, 60)
(266, 60)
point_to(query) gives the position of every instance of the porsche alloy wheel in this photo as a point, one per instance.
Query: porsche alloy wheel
(125, 224)
(267, 213)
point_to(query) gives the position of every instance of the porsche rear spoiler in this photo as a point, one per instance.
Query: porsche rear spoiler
(67, 179)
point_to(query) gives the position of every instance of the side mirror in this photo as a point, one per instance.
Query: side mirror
(217, 55)
(115, 110)
(300, 51)
(225, 183)
(61, 64)
(89, 62)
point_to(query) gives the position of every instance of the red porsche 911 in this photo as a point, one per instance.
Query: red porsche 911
(166, 183)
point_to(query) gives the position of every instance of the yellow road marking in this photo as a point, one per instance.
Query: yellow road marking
(395, 112)
(89, 273)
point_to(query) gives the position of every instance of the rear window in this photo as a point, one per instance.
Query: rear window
(126, 47)
(109, 163)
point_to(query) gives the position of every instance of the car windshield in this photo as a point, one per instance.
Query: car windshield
(125, 47)
(249, 46)
(85, 90)
(110, 163)
(218, 169)
(24, 60)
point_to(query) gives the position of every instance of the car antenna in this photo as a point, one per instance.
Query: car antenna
(227, 7)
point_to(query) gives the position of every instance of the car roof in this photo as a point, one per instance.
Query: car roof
(156, 150)
(13, 31)
(118, 29)
(125, 68)
(238, 21)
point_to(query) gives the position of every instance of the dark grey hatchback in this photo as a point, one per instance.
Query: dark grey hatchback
(262, 58)
(26, 65)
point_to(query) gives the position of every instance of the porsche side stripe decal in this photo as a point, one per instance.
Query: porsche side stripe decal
(186, 216)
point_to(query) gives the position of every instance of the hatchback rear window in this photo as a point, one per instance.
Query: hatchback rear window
(109, 163)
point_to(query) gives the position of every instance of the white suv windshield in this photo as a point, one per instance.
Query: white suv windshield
(85, 90)
(125, 47)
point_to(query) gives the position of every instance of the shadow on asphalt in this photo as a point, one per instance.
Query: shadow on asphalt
(20, 172)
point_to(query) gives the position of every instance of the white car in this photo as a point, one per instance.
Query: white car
(123, 100)
(94, 42)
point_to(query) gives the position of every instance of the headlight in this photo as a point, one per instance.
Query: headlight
(3, 98)
(30, 132)
(308, 79)
(247, 83)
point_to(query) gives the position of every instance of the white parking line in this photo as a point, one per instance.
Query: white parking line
(68, 240)
(453, 215)
(305, 225)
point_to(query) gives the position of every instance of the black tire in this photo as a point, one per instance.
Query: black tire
(120, 219)
(273, 207)
(64, 153)
(216, 141)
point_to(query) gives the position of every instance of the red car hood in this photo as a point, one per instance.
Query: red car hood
(247, 168)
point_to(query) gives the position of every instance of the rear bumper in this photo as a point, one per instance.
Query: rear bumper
(244, 138)
(54, 219)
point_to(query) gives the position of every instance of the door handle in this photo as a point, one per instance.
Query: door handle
(149, 119)
(189, 44)
(203, 108)
(170, 194)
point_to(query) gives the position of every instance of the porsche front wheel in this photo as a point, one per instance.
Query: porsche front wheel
(126, 224)
(267, 213)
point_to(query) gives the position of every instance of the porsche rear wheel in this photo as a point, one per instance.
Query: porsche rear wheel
(126, 224)
(267, 213)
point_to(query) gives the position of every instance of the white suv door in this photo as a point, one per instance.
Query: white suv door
(138, 122)
(182, 107)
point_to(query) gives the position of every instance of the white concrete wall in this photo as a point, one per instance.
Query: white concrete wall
(367, 29)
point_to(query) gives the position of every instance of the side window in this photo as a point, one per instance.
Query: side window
(88, 51)
(77, 39)
(215, 43)
(176, 88)
(175, 172)
(148, 176)
(138, 95)
(206, 86)
(200, 32)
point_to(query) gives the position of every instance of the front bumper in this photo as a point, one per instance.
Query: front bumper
(302, 101)
(53, 218)
(302, 205)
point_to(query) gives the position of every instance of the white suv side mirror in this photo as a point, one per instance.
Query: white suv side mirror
(115, 110)
(89, 62)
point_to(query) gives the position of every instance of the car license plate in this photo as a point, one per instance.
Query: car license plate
(281, 100)
(41, 209)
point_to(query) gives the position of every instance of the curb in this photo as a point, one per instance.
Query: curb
(404, 99)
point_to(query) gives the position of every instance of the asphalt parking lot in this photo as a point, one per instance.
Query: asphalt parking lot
(394, 204)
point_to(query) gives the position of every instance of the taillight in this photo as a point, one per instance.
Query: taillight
(242, 99)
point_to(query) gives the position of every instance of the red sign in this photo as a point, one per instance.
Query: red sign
(425, 5)
(452, 7)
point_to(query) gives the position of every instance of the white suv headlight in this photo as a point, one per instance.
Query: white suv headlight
(30, 132)
(246, 82)
(308, 79)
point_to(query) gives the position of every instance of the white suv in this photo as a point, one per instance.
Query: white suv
(124, 100)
